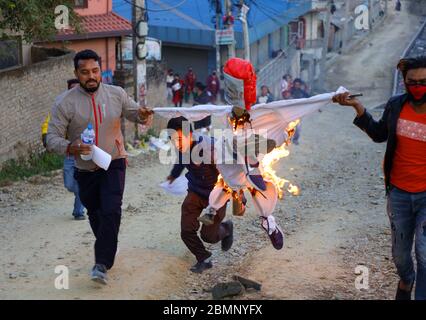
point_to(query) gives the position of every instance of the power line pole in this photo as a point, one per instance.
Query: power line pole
(348, 9)
(218, 16)
(243, 17)
(323, 61)
(231, 47)
(140, 32)
(370, 15)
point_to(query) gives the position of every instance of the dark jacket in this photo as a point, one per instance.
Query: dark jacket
(384, 130)
(201, 178)
(298, 93)
(204, 98)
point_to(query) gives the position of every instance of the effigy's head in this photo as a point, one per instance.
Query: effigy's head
(240, 83)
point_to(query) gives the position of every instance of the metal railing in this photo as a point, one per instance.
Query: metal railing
(272, 73)
(313, 44)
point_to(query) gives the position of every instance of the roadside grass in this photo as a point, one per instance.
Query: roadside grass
(37, 164)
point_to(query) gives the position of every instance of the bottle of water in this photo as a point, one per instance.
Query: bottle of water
(88, 137)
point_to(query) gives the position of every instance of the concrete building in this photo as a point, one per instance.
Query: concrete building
(102, 32)
(187, 33)
(343, 32)
(313, 24)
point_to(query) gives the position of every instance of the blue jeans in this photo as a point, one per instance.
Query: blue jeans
(407, 214)
(71, 185)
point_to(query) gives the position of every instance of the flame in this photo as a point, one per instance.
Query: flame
(273, 157)
(221, 183)
(268, 161)
(294, 190)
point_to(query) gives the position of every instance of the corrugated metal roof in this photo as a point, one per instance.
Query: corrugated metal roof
(192, 23)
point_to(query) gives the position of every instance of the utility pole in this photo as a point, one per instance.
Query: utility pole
(218, 17)
(231, 47)
(135, 63)
(243, 17)
(370, 15)
(348, 15)
(323, 61)
(140, 32)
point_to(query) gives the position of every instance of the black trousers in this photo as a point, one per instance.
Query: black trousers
(101, 192)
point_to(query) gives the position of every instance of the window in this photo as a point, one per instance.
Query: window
(301, 29)
(10, 53)
(80, 4)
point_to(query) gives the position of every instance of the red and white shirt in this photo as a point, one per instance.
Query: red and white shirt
(409, 164)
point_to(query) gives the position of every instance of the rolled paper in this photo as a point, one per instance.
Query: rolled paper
(101, 158)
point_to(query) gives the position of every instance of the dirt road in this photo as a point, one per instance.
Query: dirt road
(337, 223)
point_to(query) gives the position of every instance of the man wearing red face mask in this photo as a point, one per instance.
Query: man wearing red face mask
(403, 126)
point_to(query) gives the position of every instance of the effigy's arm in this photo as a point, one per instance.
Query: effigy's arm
(275, 117)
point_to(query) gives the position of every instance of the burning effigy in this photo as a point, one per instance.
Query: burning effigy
(257, 137)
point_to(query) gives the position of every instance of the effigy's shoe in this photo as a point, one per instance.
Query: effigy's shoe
(206, 219)
(207, 216)
(274, 232)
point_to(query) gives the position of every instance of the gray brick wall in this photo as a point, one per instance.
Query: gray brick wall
(26, 96)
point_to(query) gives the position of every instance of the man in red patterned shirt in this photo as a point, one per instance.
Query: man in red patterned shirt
(403, 126)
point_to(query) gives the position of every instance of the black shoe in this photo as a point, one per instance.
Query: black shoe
(228, 240)
(403, 294)
(277, 237)
(99, 274)
(80, 217)
(199, 267)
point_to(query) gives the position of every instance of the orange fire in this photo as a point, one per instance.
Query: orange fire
(269, 161)
(273, 157)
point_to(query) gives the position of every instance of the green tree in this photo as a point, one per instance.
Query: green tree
(35, 19)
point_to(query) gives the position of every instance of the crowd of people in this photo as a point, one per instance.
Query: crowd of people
(180, 90)
(184, 89)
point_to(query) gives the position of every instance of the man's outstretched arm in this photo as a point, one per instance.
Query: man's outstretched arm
(376, 130)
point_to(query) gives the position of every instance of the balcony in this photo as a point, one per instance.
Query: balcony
(309, 44)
